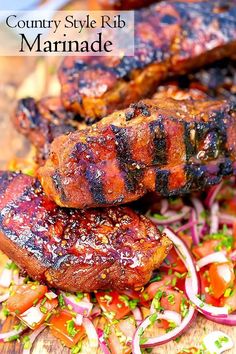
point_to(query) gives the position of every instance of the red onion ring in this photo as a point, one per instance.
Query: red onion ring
(217, 257)
(211, 196)
(214, 218)
(91, 332)
(227, 219)
(194, 228)
(172, 219)
(230, 320)
(164, 338)
(82, 307)
(32, 338)
(102, 342)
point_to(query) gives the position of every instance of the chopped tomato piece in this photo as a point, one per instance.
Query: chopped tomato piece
(205, 286)
(207, 247)
(186, 239)
(221, 278)
(174, 262)
(153, 288)
(36, 315)
(230, 301)
(63, 327)
(231, 206)
(24, 297)
(171, 300)
(114, 303)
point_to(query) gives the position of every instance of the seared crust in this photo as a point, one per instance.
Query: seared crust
(41, 122)
(167, 146)
(76, 250)
(171, 37)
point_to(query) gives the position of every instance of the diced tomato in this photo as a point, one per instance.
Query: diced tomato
(153, 288)
(36, 315)
(25, 296)
(112, 302)
(171, 300)
(59, 324)
(205, 284)
(231, 206)
(221, 277)
(230, 301)
(186, 239)
(174, 262)
(204, 249)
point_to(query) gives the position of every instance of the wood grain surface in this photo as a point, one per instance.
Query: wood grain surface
(13, 81)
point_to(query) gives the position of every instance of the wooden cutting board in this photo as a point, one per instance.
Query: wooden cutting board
(12, 144)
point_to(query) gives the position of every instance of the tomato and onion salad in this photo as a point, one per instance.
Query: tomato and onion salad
(197, 277)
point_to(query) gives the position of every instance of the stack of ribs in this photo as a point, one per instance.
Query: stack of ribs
(162, 121)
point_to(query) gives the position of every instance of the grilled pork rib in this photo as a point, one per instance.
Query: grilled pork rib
(167, 146)
(76, 250)
(41, 122)
(171, 38)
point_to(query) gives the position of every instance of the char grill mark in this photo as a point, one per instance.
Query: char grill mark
(76, 250)
(159, 142)
(171, 38)
(41, 122)
(132, 175)
(198, 141)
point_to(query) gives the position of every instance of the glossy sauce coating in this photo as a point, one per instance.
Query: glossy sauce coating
(76, 250)
(166, 146)
(171, 37)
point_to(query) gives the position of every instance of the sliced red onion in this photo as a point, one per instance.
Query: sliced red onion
(96, 311)
(137, 315)
(211, 196)
(230, 320)
(4, 297)
(194, 229)
(164, 338)
(6, 277)
(32, 338)
(82, 307)
(32, 316)
(91, 332)
(102, 342)
(214, 218)
(5, 336)
(202, 307)
(227, 219)
(185, 255)
(51, 295)
(186, 226)
(191, 282)
(200, 212)
(164, 206)
(79, 319)
(217, 257)
(172, 219)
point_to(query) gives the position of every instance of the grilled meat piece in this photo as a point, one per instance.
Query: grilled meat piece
(167, 146)
(170, 38)
(218, 80)
(41, 122)
(76, 250)
(124, 4)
